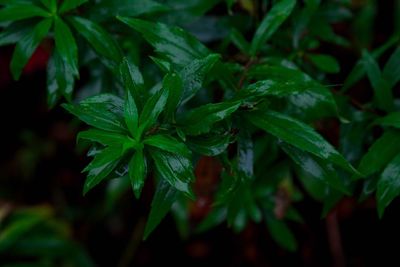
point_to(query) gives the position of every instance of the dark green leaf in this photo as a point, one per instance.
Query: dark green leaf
(214, 218)
(392, 119)
(101, 166)
(27, 45)
(299, 135)
(194, 74)
(380, 153)
(131, 115)
(239, 41)
(60, 80)
(382, 89)
(174, 85)
(68, 5)
(245, 154)
(281, 233)
(22, 11)
(103, 137)
(175, 44)
(163, 199)
(325, 63)
(391, 71)
(133, 81)
(175, 169)
(209, 145)
(167, 143)
(138, 171)
(100, 112)
(152, 109)
(15, 32)
(316, 168)
(51, 5)
(271, 22)
(201, 119)
(98, 38)
(132, 8)
(388, 185)
(66, 46)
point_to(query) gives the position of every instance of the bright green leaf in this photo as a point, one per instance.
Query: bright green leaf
(167, 143)
(51, 5)
(131, 115)
(133, 81)
(27, 45)
(138, 171)
(21, 11)
(103, 137)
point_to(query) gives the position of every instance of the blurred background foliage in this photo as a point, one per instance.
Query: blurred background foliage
(44, 220)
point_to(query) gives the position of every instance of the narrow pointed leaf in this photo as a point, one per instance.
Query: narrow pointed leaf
(163, 199)
(392, 119)
(194, 74)
(173, 83)
(167, 143)
(316, 168)
(175, 169)
(101, 166)
(98, 38)
(175, 44)
(13, 33)
(51, 5)
(388, 185)
(391, 71)
(131, 115)
(152, 109)
(66, 46)
(325, 63)
(27, 45)
(71, 4)
(209, 145)
(133, 81)
(299, 135)
(380, 153)
(103, 137)
(138, 171)
(201, 119)
(271, 22)
(21, 11)
(281, 233)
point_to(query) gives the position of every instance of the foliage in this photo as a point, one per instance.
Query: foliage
(168, 84)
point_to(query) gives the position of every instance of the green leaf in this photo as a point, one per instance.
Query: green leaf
(68, 5)
(175, 169)
(281, 233)
(103, 137)
(391, 71)
(110, 8)
(245, 154)
(175, 44)
(325, 63)
(133, 81)
(98, 38)
(214, 218)
(22, 11)
(27, 45)
(101, 166)
(100, 112)
(51, 5)
(167, 143)
(60, 80)
(382, 90)
(388, 185)
(13, 33)
(131, 115)
(316, 168)
(152, 109)
(209, 145)
(194, 74)
(239, 41)
(271, 22)
(200, 120)
(174, 85)
(392, 119)
(299, 135)
(66, 46)
(163, 199)
(380, 153)
(138, 171)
